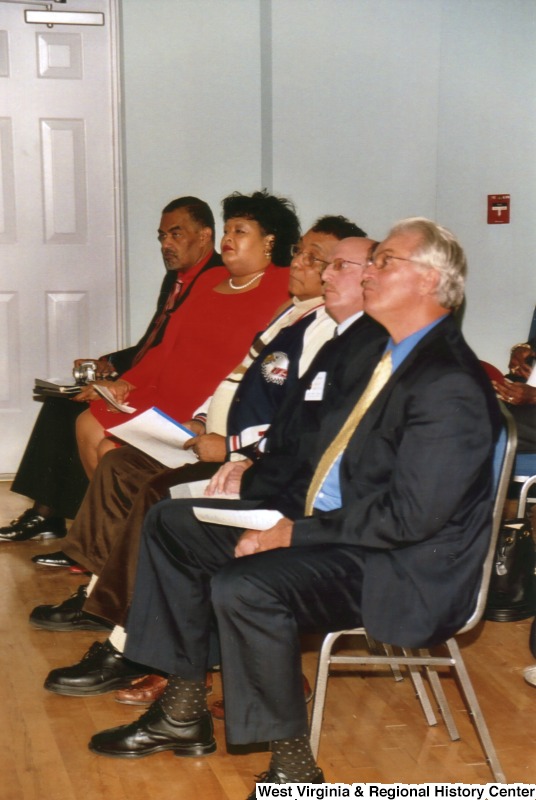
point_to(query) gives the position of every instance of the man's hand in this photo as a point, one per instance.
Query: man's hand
(518, 360)
(517, 394)
(251, 542)
(228, 478)
(208, 447)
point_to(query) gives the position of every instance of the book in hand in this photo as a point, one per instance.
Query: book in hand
(158, 435)
(55, 387)
(256, 519)
(107, 395)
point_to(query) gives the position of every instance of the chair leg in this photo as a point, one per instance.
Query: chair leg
(420, 691)
(441, 700)
(395, 669)
(475, 711)
(321, 685)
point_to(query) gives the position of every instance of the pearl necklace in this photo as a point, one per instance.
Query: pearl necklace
(245, 285)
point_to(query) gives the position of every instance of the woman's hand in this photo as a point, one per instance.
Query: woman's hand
(86, 394)
(251, 542)
(119, 389)
(517, 394)
(518, 360)
(208, 447)
(196, 426)
(228, 478)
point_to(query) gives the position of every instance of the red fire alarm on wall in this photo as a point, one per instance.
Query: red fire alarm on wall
(498, 209)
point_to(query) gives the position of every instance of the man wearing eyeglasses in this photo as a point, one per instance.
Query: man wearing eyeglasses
(104, 536)
(390, 530)
(50, 471)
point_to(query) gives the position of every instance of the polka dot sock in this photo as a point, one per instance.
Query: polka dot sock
(184, 700)
(294, 757)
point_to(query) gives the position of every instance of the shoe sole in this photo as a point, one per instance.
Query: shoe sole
(145, 703)
(188, 751)
(49, 535)
(68, 626)
(103, 688)
(39, 537)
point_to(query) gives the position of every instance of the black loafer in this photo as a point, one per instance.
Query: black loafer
(102, 669)
(68, 616)
(58, 559)
(33, 526)
(275, 775)
(153, 732)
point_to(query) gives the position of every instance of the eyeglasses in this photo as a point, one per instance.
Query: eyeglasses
(383, 260)
(308, 259)
(339, 264)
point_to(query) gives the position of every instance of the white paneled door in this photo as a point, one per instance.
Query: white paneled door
(60, 205)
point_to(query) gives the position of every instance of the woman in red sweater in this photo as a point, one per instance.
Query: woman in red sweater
(199, 349)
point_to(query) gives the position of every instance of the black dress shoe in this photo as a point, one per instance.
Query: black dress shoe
(275, 775)
(68, 616)
(153, 732)
(33, 526)
(58, 559)
(102, 669)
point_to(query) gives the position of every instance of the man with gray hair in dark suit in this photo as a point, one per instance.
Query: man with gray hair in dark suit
(385, 521)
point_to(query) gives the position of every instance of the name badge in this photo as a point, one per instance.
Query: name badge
(316, 389)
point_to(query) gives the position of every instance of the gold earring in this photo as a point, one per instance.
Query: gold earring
(268, 247)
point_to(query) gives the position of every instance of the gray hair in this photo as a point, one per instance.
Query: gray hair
(440, 250)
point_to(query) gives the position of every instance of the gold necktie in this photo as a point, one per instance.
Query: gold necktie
(379, 378)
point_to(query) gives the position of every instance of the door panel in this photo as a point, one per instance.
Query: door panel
(60, 206)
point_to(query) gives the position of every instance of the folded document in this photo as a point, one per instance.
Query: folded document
(257, 519)
(158, 435)
(55, 388)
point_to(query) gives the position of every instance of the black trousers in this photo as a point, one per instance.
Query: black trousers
(51, 472)
(187, 571)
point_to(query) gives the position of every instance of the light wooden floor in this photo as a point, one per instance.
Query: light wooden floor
(373, 729)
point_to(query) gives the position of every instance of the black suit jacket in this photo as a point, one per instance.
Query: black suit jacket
(416, 482)
(122, 359)
(343, 365)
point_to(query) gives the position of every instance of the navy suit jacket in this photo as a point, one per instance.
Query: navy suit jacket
(344, 365)
(416, 482)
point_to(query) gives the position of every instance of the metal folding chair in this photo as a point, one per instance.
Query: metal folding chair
(422, 662)
(527, 482)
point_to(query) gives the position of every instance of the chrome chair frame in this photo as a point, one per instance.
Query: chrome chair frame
(421, 661)
(527, 482)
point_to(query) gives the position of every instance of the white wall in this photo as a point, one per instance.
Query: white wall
(487, 145)
(192, 119)
(377, 109)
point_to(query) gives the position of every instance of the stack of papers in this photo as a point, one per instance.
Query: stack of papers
(55, 387)
(158, 435)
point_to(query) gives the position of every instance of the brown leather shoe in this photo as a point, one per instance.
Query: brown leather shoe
(217, 709)
(144, 691)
